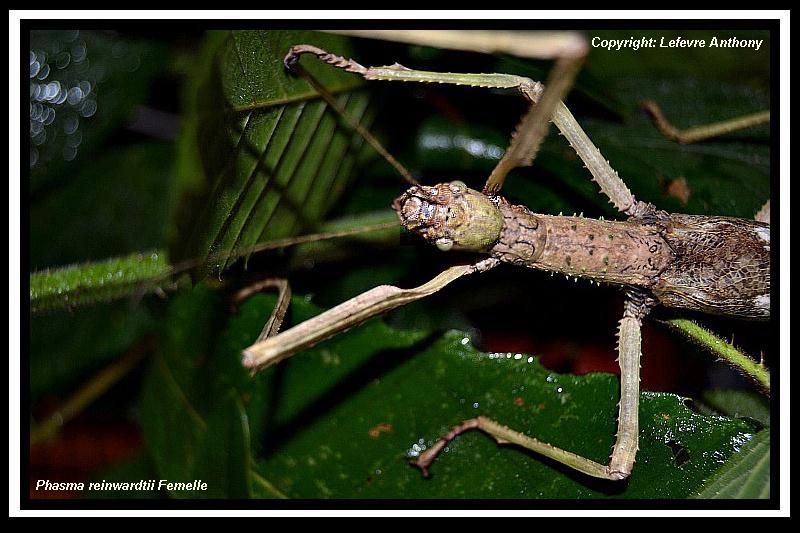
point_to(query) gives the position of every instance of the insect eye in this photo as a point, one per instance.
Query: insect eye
(444, 244)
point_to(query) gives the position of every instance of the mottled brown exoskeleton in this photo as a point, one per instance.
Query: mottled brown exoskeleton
(717, 265)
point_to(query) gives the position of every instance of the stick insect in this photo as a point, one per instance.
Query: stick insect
(710, 264)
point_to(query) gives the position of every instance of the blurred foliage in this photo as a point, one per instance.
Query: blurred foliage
(255, 147)
(67, 347)
(115, 205)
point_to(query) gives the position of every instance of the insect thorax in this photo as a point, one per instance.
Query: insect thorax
(621, 253)
(716, 265)
(453, 216)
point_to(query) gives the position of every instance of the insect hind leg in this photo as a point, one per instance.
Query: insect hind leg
(623, 455)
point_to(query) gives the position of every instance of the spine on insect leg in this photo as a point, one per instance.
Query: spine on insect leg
(614, 252)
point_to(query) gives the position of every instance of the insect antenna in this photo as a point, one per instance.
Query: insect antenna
(190, 264)
(353, 123)
(153, 284)
(275, 244)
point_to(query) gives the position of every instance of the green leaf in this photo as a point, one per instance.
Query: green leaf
(739, 403)
(173, 397)
(224, 453)
(279, 396)
(358, 447)
(340, 419)
(745, 475)
(200, 412)
(264, 156)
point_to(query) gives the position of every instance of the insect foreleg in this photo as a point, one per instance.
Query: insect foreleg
(627, 440)
(397, 72)
(602, 172)
(269, 351)
(273, 324)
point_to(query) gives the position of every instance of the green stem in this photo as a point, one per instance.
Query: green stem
(140, 273)
(89, 283)
(756, 371)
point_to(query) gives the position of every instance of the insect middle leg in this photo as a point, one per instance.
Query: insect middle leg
(623, 455)
(606, 177)
(706, 131)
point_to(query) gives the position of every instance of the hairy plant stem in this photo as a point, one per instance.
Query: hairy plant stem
(756, 371)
